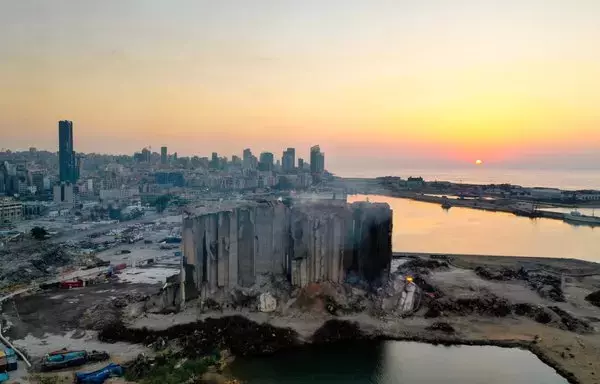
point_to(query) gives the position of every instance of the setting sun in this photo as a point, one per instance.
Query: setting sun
(478, 162)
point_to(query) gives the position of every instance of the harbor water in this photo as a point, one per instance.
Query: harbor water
(395, 362)
(426, 227)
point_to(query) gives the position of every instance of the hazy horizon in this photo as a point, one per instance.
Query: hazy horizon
(377, 84)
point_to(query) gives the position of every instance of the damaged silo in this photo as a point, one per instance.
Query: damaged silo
(228, 246)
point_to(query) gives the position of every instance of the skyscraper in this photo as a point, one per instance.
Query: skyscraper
(288, 160)
(66, 155)
(317, 160)
(163, 155)
(300, 164)
(266, 161)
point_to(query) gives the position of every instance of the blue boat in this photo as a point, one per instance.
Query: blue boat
(63, 359)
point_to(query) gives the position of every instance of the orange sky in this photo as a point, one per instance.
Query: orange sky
(406, 81)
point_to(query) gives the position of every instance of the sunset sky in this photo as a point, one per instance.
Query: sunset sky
(420, 82)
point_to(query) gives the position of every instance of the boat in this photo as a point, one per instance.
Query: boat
(576, 217)
(446, 205)
(68, 358)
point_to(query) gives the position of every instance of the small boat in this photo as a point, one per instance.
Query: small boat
(67, 358)
(576, 217)
(63, 359)
(446, 205)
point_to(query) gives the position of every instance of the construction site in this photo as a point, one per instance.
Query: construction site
(250, 277)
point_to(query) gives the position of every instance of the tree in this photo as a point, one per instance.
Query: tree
(161, 203)
(39, 233)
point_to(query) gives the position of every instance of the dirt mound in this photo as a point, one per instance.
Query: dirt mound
(336, 331)
(570, 322)
(546, 284)
(489, 305)
(422, 266)
(538, 313)
(594, 298)
(500, 274)
(441, 326)
(238, 334)
(98, 316)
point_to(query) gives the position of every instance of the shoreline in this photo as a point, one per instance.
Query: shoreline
(353, 331)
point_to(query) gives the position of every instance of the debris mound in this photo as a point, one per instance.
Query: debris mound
(240, 335)
(442, 327)
(594, 298)
(489, 305)
(336, 331)
(570, 322)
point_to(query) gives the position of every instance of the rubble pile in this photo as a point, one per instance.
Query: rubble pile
(570, 322)
(499, 274)
(334, 331)
(489, 305)
(27, 264)
(421, 266)
(442, 327)
(594, 298)
(546, 284)
(238, 334)
(336, 299)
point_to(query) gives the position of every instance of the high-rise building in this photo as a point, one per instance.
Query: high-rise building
(214, 161)
(317, 160)
(300, 164)
(163, 155)
(37, 180)
(266, 161)
(288, 160)
(247, 159)
(66, 154)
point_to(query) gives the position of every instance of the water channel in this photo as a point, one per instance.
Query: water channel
(397, 362)
(426, 227)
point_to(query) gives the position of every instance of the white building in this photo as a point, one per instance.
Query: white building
(119, 194)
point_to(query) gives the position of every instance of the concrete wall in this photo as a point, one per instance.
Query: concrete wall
(308, 242)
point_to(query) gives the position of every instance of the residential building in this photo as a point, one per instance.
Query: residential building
(37, 180)
(175, 179)
(10, 210)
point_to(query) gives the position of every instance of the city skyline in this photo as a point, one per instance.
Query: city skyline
(401, 83)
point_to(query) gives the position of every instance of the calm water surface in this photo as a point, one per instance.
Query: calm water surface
(571, 180)
(425, 227)
(396, 362)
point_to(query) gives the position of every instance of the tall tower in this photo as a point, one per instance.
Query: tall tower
(66, 155)
(288, 160)
(163, 155)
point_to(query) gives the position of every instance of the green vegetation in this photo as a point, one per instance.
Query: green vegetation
(162, 202)
(169, 369)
